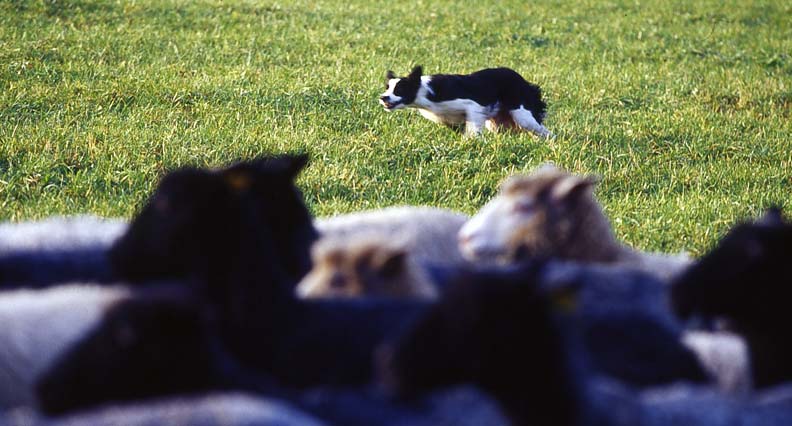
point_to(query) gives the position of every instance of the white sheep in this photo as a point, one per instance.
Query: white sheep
(364, 265)
(428, 233)
(725, 358)
(57, 249)
(40, 325)
(59, 233)
(214, 409)
(553, 213)
(459, 406)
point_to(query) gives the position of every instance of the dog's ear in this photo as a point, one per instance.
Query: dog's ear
(390, 75)
(416, 72)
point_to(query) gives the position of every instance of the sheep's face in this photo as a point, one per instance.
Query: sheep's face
(745, 278)
(533, 215)
(197, 218)
(366, 268)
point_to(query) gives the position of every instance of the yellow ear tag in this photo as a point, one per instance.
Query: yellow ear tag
(565, 301)
(238, 181)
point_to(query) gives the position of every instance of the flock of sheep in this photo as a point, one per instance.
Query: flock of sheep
(224, 302)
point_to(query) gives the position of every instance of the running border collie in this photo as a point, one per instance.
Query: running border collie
(493, 98)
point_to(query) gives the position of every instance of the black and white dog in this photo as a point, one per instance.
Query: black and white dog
(494, 97)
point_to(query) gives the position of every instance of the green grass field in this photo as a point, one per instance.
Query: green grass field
(683, 108)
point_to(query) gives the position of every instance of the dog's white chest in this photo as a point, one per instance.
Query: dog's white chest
(446, 118)
(455, 111)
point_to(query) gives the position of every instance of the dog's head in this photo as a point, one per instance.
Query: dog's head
(401, 91)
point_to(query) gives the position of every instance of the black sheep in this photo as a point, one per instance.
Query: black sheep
(621, 317)
(624, 323)
(241, 238)
(747, 280)
(492, 329)
(501, 332)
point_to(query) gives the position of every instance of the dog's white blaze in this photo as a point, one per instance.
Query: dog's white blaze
(389, 93)
(525, 119)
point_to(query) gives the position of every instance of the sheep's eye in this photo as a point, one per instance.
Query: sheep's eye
(524, 207)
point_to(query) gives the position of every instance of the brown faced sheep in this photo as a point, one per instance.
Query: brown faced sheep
(364, 265)
(429, 234)
(553, 213)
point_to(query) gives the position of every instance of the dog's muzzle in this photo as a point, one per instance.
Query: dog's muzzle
(386, 102)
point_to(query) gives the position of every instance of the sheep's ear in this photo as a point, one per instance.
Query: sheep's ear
(572, 187)
(295, 164)
(390, 75)
(242, 176)
(416, 72)
(772, 217)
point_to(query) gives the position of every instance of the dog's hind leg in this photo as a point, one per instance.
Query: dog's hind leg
(474, 121)
(525, 119)
(501, 120)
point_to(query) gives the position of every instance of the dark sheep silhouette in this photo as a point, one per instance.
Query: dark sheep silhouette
(620, 317)
(492, 329)
(745, 279)
(223, 204)
(241, 237)
(501, 332)
(624, 323)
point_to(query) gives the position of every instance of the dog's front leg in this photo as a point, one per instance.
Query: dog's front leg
(474, 121)
(525, 119)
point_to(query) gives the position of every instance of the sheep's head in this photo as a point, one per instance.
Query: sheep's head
(493, 329)
(358, 266)
(142, 347)
(538, 215)
(197, 218)
(745, 278)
